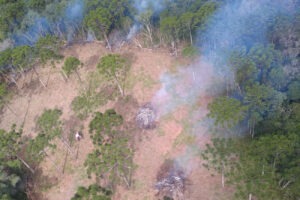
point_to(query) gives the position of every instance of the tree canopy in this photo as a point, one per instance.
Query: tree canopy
(47, 48)
(227, 111)
(115, 68)
(265, 167)
(49, 127)
(71, 65)
(93, 192)
(112, 156)
(11, 170)
(264, 102)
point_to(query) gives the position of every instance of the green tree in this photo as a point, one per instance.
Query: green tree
(262, 101)
(170, 27)
(23, 57)
(10, 17)
(120, 10)
(86, 103)
(181, 19)
(188, 21)
(11, 178)
(218, 156)
(6, 68)
(95, 93)
(261, 64)
(145, 19)
(204, 13)
(10, 144)
(264, 168)
(47, 51)
(104, 124)
(264, 57)
(292, 122)
(266, 165)
(71, 65)
(49, 124)
(37, 5)
(113, 160)
(115, 67)
(47, 48)
(246, 73)
(3, 97)
(49, 127)
(294, 91)
(5, 61)
(93, 192)
(101, 22)
(112, 156)
(11, 185)
(227, 112)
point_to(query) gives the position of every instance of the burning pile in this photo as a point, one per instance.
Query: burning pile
(146, 117)
(170, 181)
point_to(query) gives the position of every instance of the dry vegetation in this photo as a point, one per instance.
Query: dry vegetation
(63, 168)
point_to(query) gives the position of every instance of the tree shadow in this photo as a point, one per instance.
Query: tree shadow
(38, 183)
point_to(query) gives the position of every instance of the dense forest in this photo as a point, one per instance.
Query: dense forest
(256, 146)
(258, 111)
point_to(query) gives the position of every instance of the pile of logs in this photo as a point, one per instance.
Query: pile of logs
(146, 117)
(171, 182)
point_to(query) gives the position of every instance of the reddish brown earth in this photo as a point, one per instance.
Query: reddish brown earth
(170, 140)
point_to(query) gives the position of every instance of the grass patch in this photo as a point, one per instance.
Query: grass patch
(160, 132)
(140, 78)
(189, 52)
(146, 198)
(167, 117)
(139, 185)
(185, 137)
(164, 119)
(45, 185)
(69, 168)
(148, 81)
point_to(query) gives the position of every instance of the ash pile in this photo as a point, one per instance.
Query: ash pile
(146, 116)
(170, 182)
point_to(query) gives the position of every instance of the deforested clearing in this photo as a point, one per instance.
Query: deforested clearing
(65, 172)
(149, 99)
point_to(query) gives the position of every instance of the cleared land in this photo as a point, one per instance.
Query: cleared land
(170, 140)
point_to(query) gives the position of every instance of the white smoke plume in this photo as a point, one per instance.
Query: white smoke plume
(235, 25)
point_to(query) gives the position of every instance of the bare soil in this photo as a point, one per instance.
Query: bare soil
(152, 147)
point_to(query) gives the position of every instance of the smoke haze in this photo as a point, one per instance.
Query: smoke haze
(34, 25)
(141, 6)
(235, 25)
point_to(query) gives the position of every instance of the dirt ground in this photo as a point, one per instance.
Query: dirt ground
(170, 140)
